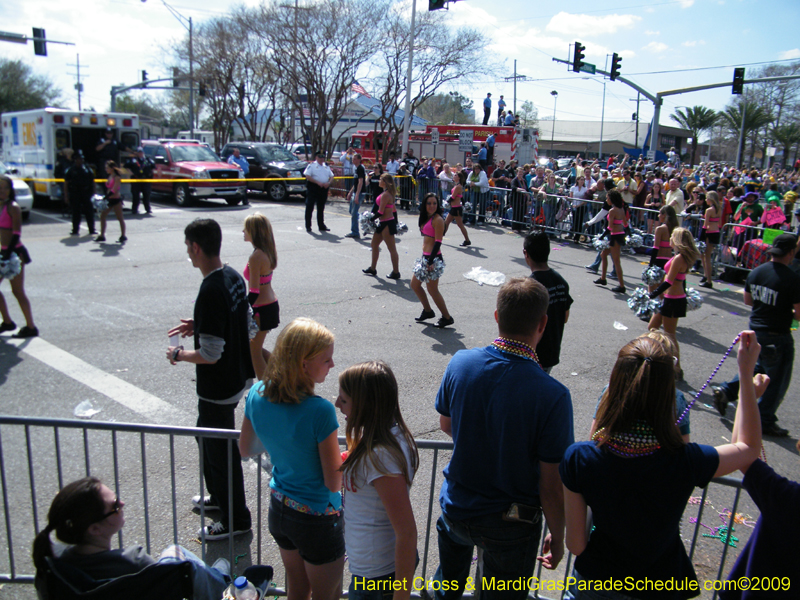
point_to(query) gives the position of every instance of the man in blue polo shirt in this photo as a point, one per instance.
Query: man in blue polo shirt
(487, 108)
(511, 424)
(240, 161)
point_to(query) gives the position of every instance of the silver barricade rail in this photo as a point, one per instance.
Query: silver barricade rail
(140, 462)
(740, 248)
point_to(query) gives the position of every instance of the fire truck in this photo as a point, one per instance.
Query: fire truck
(368, 143)
(33, 138)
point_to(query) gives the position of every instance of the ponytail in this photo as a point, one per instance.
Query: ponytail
(42, 547)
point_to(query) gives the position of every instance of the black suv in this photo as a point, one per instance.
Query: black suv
(270, 160)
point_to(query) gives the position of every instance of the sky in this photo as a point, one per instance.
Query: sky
(665, 45)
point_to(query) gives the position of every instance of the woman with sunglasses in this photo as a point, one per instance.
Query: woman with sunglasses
(87, 515)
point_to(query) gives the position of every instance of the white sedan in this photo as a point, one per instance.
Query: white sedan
(22, 191)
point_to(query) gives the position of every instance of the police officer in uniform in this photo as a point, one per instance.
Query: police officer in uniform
(107, 149)
(78, 191)
(141, 167)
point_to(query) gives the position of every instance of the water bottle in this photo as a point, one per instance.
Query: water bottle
(244, 590)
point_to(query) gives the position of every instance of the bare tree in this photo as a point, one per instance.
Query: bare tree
(441, 109)
(441, 56)
(317, 49)
(528, 115)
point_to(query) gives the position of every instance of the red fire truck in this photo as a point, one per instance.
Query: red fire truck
(367, 143)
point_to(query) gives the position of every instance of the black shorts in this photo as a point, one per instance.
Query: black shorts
(658, 261)
(268, 316)
(673, 308)
(112, 202)
(457, 211)
(319, 539)
(390, 225)
(709, 238)
(616, 238)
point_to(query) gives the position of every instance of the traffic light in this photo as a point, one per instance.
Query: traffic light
(738, 81)
(633, 117)
(202, 88)
(616, 59)
(39, 45)
(144, 75)
(436, 4)
(577, 58)
(176, 74)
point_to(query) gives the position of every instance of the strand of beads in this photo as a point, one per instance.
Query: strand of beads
(641, 441)
(517, 348)
(705, 385)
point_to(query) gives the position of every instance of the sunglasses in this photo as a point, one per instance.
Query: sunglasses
(117, 506)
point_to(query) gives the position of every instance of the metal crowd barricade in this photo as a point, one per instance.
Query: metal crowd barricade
(141, 464)
(741, 248)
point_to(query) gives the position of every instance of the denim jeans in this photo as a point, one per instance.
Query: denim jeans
(209, 582)
(509, 552)
(598, 260)
(776, 360)
(355, 205)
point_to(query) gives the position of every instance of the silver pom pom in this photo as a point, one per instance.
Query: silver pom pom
(701, 247)
(252, 325)
(425, 272)
(634, 240)
(445, 205)
(467, 207)
(599, 243)
(653, 275)
(367, 221)
(694, 299)
(401, 228)
(10, 268)
(641, 304)
(99, 202)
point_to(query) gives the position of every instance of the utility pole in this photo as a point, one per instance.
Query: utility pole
(407, 112)
(638, 97)
(515, 77)
(78, 85)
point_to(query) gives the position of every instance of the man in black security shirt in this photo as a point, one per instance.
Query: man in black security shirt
(141, 167)
(107, 149)
(537, 250)
(773, 290)
(224, 371)
(78, 191)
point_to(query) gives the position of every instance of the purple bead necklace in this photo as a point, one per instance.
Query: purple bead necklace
(705, 385)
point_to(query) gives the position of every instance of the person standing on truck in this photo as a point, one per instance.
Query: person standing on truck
(501, 107)
(78, 191)
(107, 150)
(487, 108)
(141, 167)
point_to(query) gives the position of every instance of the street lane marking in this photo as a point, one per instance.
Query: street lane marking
(151, 407)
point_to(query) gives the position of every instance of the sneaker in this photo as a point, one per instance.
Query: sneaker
(26, 332)
(618, 290)
(426, 314)
(720, 399)
(355, 236)
(74, 232)
(7, 326)
(122, 239)
(703, 279)
(100, 238)
(218, 531)
(223, 566)
(369, 271)
(394, 275)
(591, 269)
(444, 322)
(466, 243)
(773, 430)
(209, 505)
(601, 281)
(707, 284)
(93, 232)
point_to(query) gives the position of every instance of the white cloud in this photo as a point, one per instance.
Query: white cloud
(652, 32)
(656, 47)
(589, 26)
(686, 3)
(789, 54)
(693, 43)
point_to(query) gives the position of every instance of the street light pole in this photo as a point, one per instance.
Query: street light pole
(407, 115)
(554, 94)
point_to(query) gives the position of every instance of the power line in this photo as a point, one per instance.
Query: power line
(771, 62)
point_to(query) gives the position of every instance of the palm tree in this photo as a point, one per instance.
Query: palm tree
(696, 119)
(755, 118)
(787, 136)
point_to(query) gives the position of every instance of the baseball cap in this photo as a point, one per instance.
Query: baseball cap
(783, 244)
(140, 149)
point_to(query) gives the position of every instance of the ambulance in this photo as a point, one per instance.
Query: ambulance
(32, 140)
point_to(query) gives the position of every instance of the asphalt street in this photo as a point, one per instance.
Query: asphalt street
(103, 310)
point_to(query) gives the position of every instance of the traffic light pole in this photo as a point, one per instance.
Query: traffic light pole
(142, 85)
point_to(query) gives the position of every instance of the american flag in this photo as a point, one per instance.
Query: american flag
(358, 89)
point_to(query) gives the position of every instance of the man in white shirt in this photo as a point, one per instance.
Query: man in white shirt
(393, 165)
(627, 187)
(319, 177)
(675, 198)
